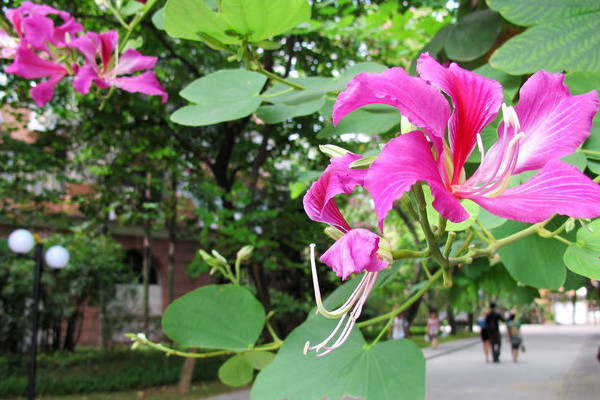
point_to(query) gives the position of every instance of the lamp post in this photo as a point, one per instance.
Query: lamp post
(22, 241)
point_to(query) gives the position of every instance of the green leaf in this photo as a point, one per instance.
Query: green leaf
(433, 216)
(214, 96)
(489, 220)
(391, 370)
(532, 260)
(185, 19)
(236, 371)
(158, 19)
(215, 316)
(535, 12)
(258, 20)
(259, 359)
(497, 280)
(364, 121)
(281, 112)
(473, 36)
(510, 83)
(574, 281)
(130, 8)
(579, 83)
(583, 257)
(561, 37)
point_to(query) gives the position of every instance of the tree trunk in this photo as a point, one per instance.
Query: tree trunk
(171, 226)
(187, 373)
(147, 260)
(451, 320)
(71, 334)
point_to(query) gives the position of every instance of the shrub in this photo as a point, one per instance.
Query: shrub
(98, 370)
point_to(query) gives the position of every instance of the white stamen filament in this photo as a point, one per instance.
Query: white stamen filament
(344, 308)
(498, 180)
(357, 299)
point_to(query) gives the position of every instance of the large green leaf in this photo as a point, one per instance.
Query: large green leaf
(473, 36)
(215, 316)
(533, 260)
(563, 36)
(187, 18)
(221, 96)
(236, 371)
(262, 19)
(281, 112)
(389, 370)
(583, 82)
(583, 257)
(535, 12)
(497, 280)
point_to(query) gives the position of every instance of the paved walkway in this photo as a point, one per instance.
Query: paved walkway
(560, 364)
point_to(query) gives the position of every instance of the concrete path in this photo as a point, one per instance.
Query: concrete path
(559, 364)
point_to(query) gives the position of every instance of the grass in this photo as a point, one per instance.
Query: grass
(419, 339)
(197, 391)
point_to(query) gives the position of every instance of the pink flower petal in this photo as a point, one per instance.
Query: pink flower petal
(44, 91)
(84, 78)
(30, 66)
(555, 123)
(354, 252)
(557, 188)
(422, 104)
(476, 102)
(404, 161)
(144, 83)
(38, 31)
(337, 178)
(132, 61)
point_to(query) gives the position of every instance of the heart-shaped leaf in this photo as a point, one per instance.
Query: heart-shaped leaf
(389, 370)
(215, 316)
(583, 256)
(224, 95)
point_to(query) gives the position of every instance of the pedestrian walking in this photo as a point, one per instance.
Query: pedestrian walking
(492, 323)
(433, 329)
(485, 337)
(513, 327)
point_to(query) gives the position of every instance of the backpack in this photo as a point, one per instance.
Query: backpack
(514, 329)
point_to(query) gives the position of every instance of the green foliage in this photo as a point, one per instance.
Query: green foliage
(473, 35)
(214, 94)
(581, 257)
(235, 21)
(533, 260)
(94, 370)
(215, 316)
(95, 267)
(561, 36)
(355, 369)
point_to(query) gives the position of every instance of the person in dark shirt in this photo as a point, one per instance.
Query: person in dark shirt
(492, 323)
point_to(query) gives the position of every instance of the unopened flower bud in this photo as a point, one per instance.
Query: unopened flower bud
(333, 233)
(245, 253)
(385, 250)
(405, 125)
(333, 150)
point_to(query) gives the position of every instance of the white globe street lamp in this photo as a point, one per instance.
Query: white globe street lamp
(57, 257)
(22, 241)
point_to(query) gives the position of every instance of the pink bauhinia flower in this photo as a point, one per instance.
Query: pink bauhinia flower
(547, 124)
(36, 29)
(109, 72)
(39, 46)
(356, 251)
